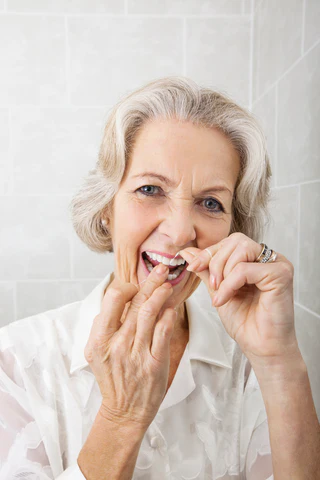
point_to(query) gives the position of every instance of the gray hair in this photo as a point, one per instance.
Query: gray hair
(174, 97)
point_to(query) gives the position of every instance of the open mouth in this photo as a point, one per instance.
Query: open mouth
(175, 271)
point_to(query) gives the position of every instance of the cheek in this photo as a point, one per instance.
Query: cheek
(134, 224)
(213, 232)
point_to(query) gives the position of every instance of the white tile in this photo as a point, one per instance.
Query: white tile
(247, 7)
(89, 264)
(54, 148)
(312, 23)
(282, 235)
(32, 52)
(37, 297)
(309, 283)
(298, 122)
(34, 237)
(5, 161)
(220, 7)
(278, 27)
(2, 5)
(308, 334)
(66, 6)
(218, 54)
(265, 111)
(7, 295)
(110, 57)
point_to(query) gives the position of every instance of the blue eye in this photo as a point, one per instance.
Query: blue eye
(145, 192)
(215, 205)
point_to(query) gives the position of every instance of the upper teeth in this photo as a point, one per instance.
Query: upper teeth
(165, 260)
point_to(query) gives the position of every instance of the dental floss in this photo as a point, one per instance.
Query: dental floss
(173, 258)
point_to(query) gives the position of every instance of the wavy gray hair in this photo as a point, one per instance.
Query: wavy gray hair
(167, 98)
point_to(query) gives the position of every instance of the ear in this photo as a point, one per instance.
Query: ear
(105, 223)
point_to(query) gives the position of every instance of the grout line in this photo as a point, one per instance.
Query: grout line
(184, 46)
(251, 60)
(303, 25)
(299, 230)
(15, 301)
(54, 106)
(287, 71)
(39, 195)
(307, 309)
(276, 156)
(307, 182)
(71, 256)
(67, 60)
(257, 27)
(136, 15)
(57, 280)
(10, 155)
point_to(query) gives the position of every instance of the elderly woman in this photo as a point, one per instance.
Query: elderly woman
(146, 378)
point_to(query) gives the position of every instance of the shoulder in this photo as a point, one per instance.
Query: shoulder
(43, 334)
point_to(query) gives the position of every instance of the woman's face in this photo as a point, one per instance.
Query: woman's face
(176, 193)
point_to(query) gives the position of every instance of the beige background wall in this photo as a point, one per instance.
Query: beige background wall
(65, 63)
(286, 86)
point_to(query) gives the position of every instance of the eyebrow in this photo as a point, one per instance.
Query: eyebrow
(170, 183)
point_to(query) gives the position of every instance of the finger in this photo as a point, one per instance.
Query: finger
(113, 304)
(148, 314)
(156, 278)
(202, 260)
(261, 275)
(160, 348)
(245, 251)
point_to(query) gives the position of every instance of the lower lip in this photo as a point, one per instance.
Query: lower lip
(173, 282)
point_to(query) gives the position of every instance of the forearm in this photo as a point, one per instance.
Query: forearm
(293, 424)
(110, 451)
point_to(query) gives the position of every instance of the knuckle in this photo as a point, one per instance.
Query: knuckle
(238, 269)
(287, 270)
(237, 235)
(147, 310)
(115, 294)
(245, 243)
(118, 347)
(88, 354)
(166, 331)
(140, 299)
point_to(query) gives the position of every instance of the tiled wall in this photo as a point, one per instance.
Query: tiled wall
(63, 65)
(286, 83)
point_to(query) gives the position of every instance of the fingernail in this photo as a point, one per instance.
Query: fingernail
(194, 265)
(212, 282)
(161, 269)
(215, 299)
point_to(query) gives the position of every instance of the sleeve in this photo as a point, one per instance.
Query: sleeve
(22, 451)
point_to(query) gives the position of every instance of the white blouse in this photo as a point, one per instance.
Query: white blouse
(211, 425)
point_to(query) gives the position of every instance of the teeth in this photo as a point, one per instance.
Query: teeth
(166, 260)
(171, 276)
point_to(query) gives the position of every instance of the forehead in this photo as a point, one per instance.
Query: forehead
(184, 150)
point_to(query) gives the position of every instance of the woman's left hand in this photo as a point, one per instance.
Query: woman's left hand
(254, 300)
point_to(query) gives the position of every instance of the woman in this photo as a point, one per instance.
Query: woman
(142, 379)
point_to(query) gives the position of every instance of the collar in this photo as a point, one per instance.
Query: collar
(208, 340)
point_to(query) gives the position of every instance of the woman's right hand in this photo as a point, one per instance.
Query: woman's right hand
(130, 360)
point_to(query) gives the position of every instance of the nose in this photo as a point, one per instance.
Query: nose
(179, 226)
